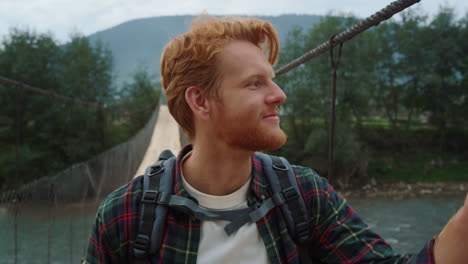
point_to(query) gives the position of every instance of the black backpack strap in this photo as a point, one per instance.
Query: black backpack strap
(165, 190)
(284, 185)
(157, 183)
(254, 215)
(157, 197)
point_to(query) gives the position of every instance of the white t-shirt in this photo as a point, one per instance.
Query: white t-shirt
(243, 246)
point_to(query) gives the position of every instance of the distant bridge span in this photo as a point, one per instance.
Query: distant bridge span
(166, 135)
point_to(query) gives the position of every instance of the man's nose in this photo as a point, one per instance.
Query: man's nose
(276, 95)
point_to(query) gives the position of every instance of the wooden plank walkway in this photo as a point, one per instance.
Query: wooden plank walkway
(166, 135)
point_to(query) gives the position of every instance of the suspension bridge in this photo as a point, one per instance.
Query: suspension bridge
(63, 205)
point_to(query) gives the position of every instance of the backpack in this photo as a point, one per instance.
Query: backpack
(157, 198)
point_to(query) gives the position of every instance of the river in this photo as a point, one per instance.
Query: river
(407, 224)
(56, 236)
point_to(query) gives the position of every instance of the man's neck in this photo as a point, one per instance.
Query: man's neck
(217, 169)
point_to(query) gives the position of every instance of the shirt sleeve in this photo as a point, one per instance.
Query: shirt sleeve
(113, 231)
(99, 244)
(340, 235)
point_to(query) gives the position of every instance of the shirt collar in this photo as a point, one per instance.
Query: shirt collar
(258, 187)
(178, 185)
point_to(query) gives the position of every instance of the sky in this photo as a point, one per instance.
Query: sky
(65, 17)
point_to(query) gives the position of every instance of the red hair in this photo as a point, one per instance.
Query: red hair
(191, 59)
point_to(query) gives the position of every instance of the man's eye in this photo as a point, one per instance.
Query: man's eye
(254, 84)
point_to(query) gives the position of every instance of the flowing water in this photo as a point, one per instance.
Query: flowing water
(44, 235)
(59, 234)
(407, 224)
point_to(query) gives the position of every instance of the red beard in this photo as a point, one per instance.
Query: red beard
(237, 133)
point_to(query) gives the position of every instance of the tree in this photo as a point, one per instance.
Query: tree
(443, 89)
(86, 74)
(140, 98)
(414, 64)
(33, 59)
(463, 70)
(307, 110)
(40, 134)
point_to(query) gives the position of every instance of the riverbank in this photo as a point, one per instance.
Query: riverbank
(399, 190)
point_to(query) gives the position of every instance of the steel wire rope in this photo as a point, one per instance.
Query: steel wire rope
(10, 83)
(331, 138)
(17, 168)
(373, 20)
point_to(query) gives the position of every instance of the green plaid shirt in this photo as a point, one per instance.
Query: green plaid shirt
(338, 234)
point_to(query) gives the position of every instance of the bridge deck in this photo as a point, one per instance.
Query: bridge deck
(165, 136)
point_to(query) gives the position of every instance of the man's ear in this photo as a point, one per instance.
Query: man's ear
(198, 102)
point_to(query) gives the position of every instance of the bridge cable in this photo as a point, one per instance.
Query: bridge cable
(375, 19)
(331, 137)
(125, 112)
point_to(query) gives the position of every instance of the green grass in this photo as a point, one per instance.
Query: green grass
(412, 167)
(422, 145)
(385, 124)
(376, 123)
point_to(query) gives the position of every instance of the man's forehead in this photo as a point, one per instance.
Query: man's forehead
(243, 56)
(237, 48)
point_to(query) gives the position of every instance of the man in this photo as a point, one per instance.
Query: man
(218, 78)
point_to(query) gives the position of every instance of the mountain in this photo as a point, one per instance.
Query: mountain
(138, 43)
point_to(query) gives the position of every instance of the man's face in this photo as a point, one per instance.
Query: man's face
(246, 113)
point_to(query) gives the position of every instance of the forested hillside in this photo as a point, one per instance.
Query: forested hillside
(138, 43)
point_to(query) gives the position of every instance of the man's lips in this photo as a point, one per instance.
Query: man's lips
(274, 115)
